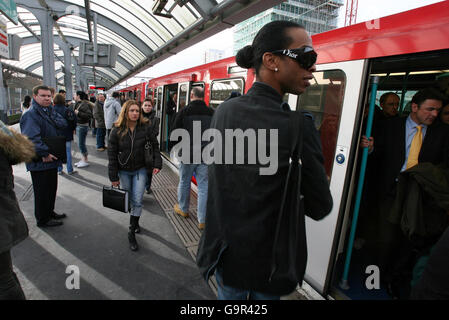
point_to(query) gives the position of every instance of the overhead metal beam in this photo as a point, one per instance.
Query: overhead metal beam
(75, 42)
(88, 18)
(62, 8)
(204, 7)
(221, 17)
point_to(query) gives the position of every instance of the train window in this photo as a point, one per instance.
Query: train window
(183, 95)
(149, 92)
(138, 95)
(324, 99)
(221, 90)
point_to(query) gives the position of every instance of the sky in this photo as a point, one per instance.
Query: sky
(193, 56)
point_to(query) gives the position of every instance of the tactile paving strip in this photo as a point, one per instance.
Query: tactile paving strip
(165, 189)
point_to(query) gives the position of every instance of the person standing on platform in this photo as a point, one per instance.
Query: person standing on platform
(14, 148)
(127, 167)
(149, 113)
(70, 117)
(112, 108)
(99, 122)
(196, 113)
(83, 111)
(26, 104)
(39, 122)
(243, 204)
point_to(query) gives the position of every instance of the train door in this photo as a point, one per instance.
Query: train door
(366, 274)
(332, 98)
(183, 95)
(158, 101)
(168, 114)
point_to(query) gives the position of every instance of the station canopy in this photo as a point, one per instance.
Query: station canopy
(145, 31)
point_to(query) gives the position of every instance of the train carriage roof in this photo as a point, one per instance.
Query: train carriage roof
(418, 30)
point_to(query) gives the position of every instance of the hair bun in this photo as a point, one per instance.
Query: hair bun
(245, 56)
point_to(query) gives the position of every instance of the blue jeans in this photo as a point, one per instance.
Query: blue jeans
(101, 133)
(186, 172)
(230, 293)
(134, 182)
(81, 132)
(68, 149)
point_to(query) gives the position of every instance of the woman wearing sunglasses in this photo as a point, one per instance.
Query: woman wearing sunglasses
(243, 205)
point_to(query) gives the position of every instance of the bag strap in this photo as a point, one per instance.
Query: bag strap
(295, 128)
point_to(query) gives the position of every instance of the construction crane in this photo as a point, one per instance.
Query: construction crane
(351, 12)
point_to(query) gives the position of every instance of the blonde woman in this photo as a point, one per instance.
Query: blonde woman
(126, 159)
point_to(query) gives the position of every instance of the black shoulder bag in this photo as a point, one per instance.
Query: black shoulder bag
(289, 255)
(56, 144)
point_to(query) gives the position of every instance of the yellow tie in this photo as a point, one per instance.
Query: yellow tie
(415, 148)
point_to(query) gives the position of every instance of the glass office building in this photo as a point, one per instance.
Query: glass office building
(315, 15)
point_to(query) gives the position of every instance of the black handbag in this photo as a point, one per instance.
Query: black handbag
(56, 146)
(116, 198)
(289, 252)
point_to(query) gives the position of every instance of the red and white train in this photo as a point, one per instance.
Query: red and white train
(407, 51)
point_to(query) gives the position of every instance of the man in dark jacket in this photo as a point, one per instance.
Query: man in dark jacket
(99, 122)
(39, 122)
(197, 113)
(400, 144)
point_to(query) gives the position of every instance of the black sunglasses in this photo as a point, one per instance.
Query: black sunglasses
(305, 56)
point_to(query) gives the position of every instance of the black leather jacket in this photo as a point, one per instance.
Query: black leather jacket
(243, 206)
(126, 152)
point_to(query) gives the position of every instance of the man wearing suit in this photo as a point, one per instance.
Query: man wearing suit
(399, 144)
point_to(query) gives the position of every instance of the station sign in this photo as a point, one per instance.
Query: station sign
(9, 9)
(4, 49)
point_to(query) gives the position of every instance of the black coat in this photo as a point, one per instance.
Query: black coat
(196, 111)
(242, 205)
(126, 155)
(154, 121)
(13, 227)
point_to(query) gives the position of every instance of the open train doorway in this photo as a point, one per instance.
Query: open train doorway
(168, 102)
(384, 262)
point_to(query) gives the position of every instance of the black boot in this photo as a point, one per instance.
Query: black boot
(131, 234)
(137, 228)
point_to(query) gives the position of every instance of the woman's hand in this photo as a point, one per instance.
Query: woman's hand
(156, 171)
(115, 183)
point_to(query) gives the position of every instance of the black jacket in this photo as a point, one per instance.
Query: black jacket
(422, 202)
(154, 121)
(243, 206)
(197, 111)
(13, 150)
(125, 154)
(85, 111)
(388, 156)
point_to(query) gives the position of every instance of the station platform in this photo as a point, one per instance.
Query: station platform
(94, 239)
